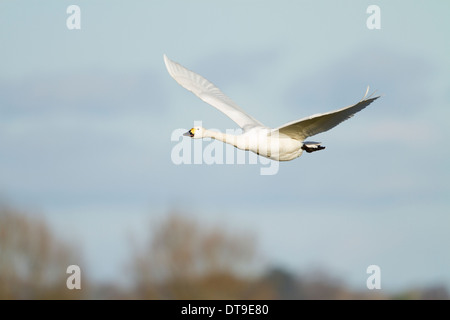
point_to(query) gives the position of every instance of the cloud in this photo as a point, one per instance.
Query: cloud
(411, 132)
(236, 67)
(90, 92)
(401, 79)
(71, 136)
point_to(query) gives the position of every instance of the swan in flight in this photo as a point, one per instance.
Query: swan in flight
(284, 143)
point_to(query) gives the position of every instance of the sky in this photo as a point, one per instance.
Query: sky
(87, 122)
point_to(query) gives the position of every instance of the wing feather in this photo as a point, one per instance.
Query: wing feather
(315, 124)
(210, 94)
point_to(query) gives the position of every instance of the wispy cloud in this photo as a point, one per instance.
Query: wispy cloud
(93, 92)
(402, 80)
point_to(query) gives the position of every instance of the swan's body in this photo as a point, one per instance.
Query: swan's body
(283, 143)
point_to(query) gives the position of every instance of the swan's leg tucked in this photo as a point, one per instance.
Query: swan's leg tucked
(312, 146)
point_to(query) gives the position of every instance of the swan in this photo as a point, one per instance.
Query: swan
(284, 143)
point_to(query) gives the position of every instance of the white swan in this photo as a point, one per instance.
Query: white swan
(283, 143)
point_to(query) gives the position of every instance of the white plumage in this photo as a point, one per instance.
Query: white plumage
(284, 143)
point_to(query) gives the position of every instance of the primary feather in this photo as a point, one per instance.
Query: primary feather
(315, 124)
(209, 93)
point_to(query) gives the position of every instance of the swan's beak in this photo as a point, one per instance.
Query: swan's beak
(188, 134)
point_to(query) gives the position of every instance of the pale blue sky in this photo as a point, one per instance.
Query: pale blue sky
(86, 118)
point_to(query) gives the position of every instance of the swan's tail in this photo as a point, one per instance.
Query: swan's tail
(311, 146)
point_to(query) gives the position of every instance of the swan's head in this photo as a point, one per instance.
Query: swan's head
(195, 133)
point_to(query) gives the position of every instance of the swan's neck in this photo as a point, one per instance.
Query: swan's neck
(224, 137)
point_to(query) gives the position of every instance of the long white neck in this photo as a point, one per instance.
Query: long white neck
(224, 137)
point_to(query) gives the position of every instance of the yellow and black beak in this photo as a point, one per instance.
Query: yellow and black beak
(190, 133)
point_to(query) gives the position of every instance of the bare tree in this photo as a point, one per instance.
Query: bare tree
(187, 260)
(33, 262)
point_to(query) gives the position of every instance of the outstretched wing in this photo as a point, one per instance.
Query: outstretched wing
(312, 125)
(209, 93)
